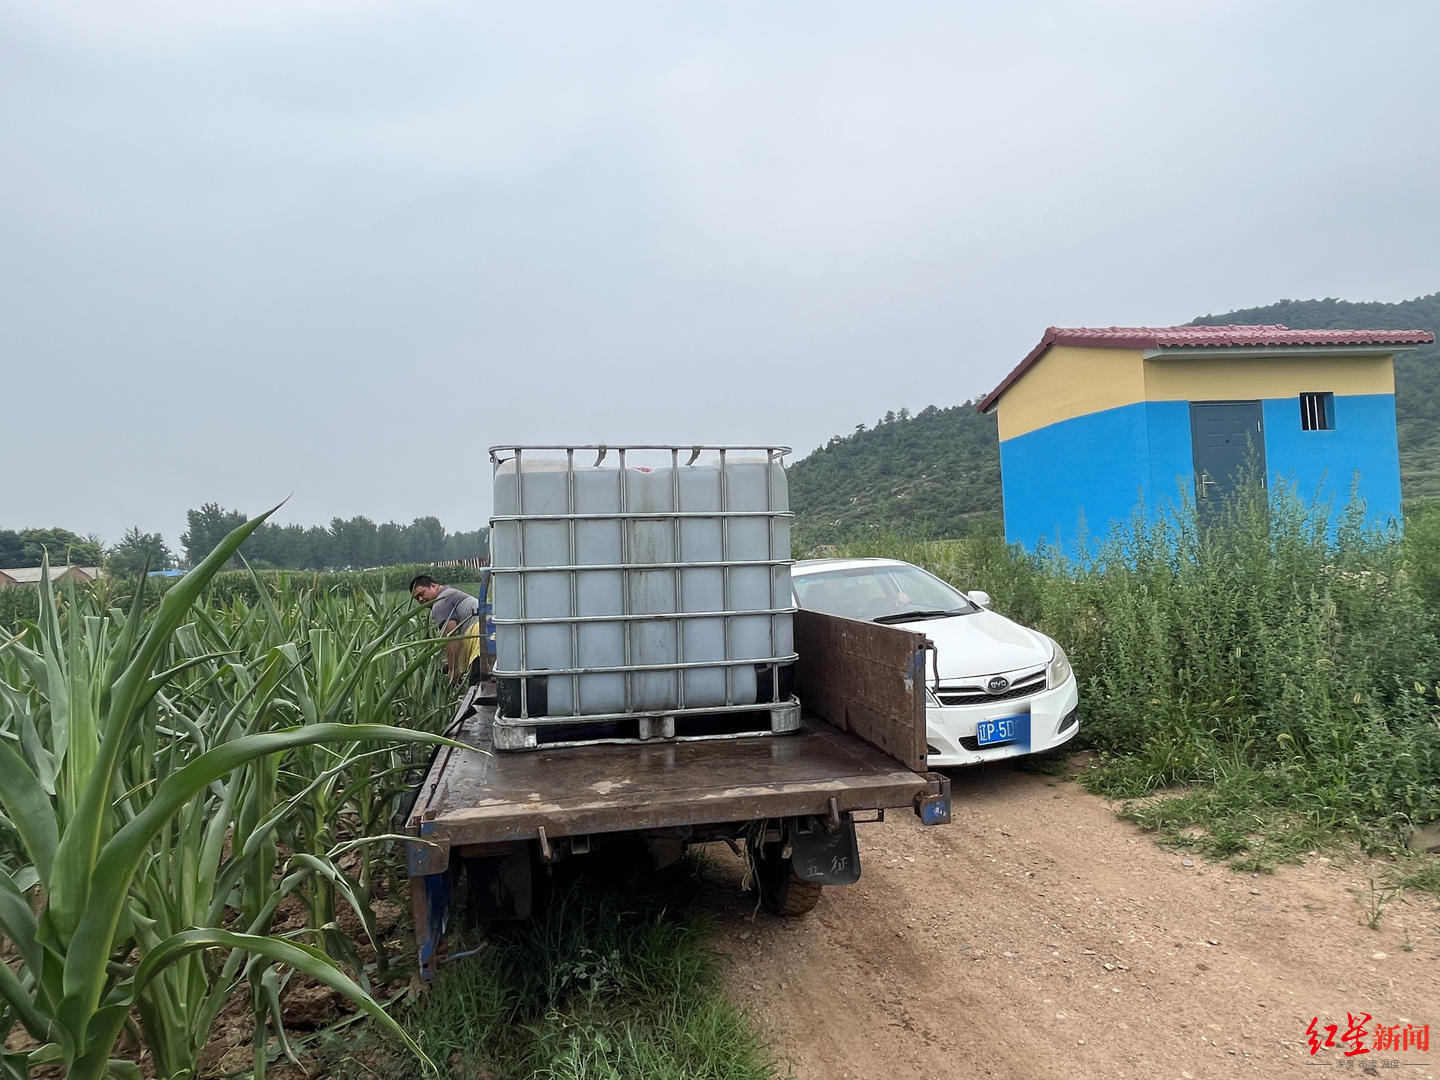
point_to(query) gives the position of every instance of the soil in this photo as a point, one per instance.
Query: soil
(1041, 935)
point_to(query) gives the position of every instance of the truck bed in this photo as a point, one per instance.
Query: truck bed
(484, 797)
(861, 746)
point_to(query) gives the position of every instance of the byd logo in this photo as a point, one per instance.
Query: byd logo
(998, 685)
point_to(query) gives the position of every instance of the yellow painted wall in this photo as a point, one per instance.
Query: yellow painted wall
(1070, 381)
(1073, 380)
(1221, 378)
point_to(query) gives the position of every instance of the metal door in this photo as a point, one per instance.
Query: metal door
(1228, 438)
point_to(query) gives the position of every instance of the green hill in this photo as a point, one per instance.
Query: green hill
(933, 474)
(937, 473)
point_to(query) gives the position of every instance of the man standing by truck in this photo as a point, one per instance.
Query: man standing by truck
(457, 616)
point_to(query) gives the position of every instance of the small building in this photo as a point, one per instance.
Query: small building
(1096, 422)
(30, 575)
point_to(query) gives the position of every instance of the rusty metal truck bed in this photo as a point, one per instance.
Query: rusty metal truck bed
(485, 797)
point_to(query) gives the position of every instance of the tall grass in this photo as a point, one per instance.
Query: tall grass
(1280, 658)
(611, 980)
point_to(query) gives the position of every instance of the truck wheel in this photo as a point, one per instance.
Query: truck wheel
(781, 891)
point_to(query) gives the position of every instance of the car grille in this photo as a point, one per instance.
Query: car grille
(976, 694)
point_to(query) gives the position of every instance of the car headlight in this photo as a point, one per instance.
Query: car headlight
(1059, 669)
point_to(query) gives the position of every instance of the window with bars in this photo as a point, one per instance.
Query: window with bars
(1317, 412)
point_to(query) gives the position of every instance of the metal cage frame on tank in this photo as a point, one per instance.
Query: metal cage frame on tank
(616, 589)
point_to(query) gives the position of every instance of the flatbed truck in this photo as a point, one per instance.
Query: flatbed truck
(789, 801)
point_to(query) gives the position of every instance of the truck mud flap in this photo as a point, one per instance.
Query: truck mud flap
(829, 856)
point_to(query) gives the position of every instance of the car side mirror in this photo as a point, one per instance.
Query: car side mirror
(980, 597)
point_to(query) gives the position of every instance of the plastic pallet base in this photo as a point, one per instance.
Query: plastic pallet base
(511, 735)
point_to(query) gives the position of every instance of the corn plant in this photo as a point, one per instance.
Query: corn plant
(121, 800)
(358, 653)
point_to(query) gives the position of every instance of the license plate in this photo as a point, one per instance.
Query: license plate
(1003, 729)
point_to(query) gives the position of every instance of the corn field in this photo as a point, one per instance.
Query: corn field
(174, 774)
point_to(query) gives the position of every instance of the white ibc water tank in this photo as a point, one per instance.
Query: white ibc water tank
(691, 558)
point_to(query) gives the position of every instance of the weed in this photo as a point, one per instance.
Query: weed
(1421, 872)
(1373, 901)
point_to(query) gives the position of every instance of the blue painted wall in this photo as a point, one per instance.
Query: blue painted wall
(1324, 463)
(1171, 467)
(1095, 465)
(1099, 467)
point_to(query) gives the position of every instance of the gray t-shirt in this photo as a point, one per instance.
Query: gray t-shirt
(454, 605)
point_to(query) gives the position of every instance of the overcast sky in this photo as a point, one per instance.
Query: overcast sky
(340, 247)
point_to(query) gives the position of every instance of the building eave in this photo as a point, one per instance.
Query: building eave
(1241, 352)
(988, 402)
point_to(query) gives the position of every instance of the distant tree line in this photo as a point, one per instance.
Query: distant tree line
(348, 543)
(26, 547)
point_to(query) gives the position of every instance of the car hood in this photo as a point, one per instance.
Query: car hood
(982, 643)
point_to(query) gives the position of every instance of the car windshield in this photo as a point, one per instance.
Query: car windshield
(885, 591)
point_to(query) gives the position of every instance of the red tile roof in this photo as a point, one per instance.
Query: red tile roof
(1163, 337)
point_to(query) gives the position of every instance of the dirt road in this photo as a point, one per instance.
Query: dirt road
(1042, 936)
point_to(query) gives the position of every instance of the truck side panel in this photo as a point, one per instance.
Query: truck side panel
(867, 680)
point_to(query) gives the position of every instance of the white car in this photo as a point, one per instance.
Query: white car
(1004, 689)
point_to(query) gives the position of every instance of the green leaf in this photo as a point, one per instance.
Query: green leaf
(302, 958)
(29, 809)
(92, 939)
(269, 992)
(130, 687)
(22, 1000)
(38, 755)
(17, 921)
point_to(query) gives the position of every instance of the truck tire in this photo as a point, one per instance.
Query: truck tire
(781, 891)
(791, 896)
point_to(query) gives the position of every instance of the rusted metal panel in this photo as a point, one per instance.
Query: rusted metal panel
(477, 797)
(933, 808)
(429, 853)
(866, 679)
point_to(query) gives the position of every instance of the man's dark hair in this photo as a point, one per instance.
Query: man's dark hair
(421, 579)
